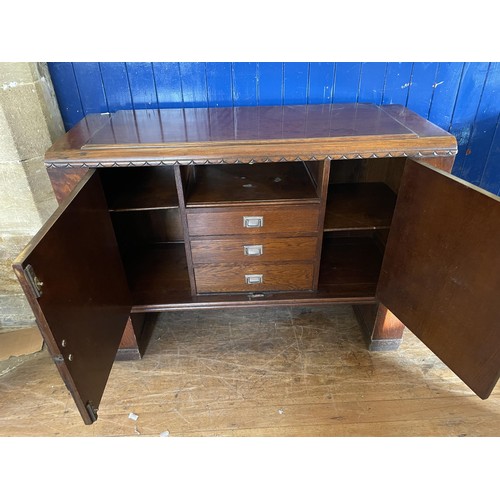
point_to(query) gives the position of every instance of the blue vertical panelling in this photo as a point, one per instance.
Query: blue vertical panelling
(116, 86)
(445, 93)
(245, 84)
(491, 176)
(194, 84)
(66, 89)
(142, 85)
(460, 97)
(495, 156)
(398, 82)
(92, 97)
(295, 82)
(219, 84)
(466, 107)
(168, 84)
(270, 83)
(476, 158)
(421, 91)
(321, 77)
(372, 82)
(346, 85)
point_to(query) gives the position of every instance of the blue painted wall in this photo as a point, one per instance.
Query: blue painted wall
(463, 98)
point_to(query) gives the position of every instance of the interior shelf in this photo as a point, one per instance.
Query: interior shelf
(348, 265)
(139, 188)
(260, 182)
(359, 206)
(158, 277)
(156, 263)
(158, 274)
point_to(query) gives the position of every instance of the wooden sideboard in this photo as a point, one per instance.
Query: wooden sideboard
(195, 208)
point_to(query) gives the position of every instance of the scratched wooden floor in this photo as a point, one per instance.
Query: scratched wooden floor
(269, 372)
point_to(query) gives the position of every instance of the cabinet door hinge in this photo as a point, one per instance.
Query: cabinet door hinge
(35, 283)
(91, 410)
(58, 359)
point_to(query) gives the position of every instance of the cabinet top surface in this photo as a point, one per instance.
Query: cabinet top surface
(185, 132)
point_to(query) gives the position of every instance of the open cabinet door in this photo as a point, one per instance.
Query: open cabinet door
(441, 271)
(73, 277)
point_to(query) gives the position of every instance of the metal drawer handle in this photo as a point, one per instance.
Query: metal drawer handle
(254, 279)
(254, 221)
(253, 250)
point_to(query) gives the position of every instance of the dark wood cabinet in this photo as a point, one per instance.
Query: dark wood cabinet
(251, 207)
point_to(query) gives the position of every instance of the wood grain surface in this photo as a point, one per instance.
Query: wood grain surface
(256, 123)
(85, 301)
(249, 135)
(266, 372)
(275, 277)
(223, 184)
(139, 188)
(276, 220)
(351, 206)
(441, 269)
(273, 249)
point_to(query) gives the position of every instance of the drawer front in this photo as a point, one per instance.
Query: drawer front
(253, 220)
(251, 250)
(249, 278)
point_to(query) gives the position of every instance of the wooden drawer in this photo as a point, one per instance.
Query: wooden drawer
(241, 278)
(253, 220)
(253, 249)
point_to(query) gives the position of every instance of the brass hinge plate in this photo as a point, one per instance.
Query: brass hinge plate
(35, 283)
(91, 410)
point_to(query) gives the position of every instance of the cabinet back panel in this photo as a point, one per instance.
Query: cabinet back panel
(367, 205)
(147, 226)
(217, 184)
(136, 188)
(386, 170)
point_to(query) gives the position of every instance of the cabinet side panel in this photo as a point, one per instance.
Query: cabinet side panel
(64, 180)
(444, 163)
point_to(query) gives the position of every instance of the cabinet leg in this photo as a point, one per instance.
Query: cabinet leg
(135, 337)
(383, 330)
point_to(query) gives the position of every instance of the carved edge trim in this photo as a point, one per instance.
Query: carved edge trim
(265, 159)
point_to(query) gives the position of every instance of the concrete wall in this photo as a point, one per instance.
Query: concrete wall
(30, 121)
